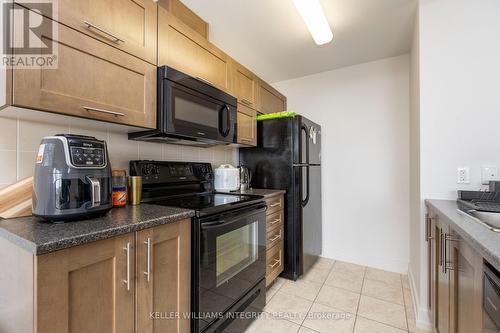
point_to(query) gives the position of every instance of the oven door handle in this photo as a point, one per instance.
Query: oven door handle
(221, 223)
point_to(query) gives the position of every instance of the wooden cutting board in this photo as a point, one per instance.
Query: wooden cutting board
(15, 200)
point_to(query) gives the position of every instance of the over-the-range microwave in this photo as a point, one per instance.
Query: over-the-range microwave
(191, 111)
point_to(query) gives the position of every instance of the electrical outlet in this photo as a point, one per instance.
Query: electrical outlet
(463, 175)
(488, 173)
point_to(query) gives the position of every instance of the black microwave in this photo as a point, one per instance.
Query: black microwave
(191, 111)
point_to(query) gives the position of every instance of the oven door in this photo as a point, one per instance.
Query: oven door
(188, 113)
(231, 259)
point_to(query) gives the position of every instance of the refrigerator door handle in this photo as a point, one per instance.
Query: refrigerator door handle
(303, 128)
(306, 200)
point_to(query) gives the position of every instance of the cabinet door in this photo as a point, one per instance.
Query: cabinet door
(466, 286)
(92, 80)
(270, 100)
(442, 287)
(247, 126)
(184, 49)
(245, 85)
(432, 235)
(129, 25)
(164, 278)
(87, 288)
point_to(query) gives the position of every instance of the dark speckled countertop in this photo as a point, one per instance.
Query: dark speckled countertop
(483, 240)
(42, 237)
(260, 191)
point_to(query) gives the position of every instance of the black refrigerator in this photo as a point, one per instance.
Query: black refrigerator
(288, 157)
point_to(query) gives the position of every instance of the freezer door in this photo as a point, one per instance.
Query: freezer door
(311, 215)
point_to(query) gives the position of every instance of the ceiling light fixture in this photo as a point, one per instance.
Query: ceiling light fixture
(314, 17)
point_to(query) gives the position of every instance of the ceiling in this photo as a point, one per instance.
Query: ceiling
(270, 38)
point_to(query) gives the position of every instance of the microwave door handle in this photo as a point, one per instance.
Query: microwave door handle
(224, 126)
(95, 192)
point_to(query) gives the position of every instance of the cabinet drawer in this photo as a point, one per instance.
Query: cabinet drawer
(273, 220)
(274, 263)
(274, 204)
(92, 80)
(184, 49)
(129, 25)
(274, 236)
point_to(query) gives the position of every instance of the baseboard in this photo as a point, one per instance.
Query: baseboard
(391, 265)
(422, 315)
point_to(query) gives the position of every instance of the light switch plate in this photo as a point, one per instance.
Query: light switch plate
(488, 173)
(463, 175)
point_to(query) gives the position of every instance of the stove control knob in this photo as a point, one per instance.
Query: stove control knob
(155, 170)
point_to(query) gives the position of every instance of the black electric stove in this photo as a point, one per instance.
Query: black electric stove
(228, 243)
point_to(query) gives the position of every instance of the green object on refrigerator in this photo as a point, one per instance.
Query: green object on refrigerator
(283, 114)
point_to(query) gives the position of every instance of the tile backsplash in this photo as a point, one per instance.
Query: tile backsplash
(19, 140)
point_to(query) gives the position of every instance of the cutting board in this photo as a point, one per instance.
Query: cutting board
(15, 200)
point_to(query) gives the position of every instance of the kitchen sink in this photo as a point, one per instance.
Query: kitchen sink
(487, 219)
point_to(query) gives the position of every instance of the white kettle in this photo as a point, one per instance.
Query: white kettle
(227, 178)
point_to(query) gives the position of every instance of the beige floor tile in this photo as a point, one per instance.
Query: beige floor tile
(316, 274)
(382, 311)
(405, 281)
(271, 291)
(338, 298)
(288, 307)
(301, 288)
(345, 280)
(348, 268)
(387, 292)
(267, 324)
(364, 325)
(408, 298)
(324, 263)
(384, 276)
(325, 319)
(304, 329)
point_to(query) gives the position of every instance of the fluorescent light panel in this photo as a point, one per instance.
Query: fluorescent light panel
(314, 17)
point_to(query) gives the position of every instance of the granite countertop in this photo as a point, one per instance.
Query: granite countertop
(482, 239)
(42, 237)
(266, 193)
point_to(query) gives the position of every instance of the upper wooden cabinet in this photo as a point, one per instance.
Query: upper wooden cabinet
(270, 99)
(92, 80)
(88, 288)
(186, 15)
(245, 85)
(130, 25)
(184, 49)
(247, 126)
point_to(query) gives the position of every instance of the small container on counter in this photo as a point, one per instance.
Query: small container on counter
(135, 190)
(119, 180)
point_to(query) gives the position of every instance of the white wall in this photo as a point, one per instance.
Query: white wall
(19, 140)
(364, 114)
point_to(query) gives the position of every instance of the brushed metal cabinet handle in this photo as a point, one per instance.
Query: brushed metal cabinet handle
(119, 114)
(246, 101)
(127, 280)
(148, 265)
(274, 222)
(276, 263)
(91, 26)
(205, 80)
(448, 266)
(276, 237)
(428, 232)
(275, 205)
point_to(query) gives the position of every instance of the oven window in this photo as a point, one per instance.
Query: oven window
(236, 250)
(198, 113)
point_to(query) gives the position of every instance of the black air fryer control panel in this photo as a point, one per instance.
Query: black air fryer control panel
(85, 152)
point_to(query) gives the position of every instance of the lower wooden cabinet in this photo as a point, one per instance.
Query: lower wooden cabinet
(274, 238)
(137, 282)
(88, 288)
(163, 278)
(455, 280)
